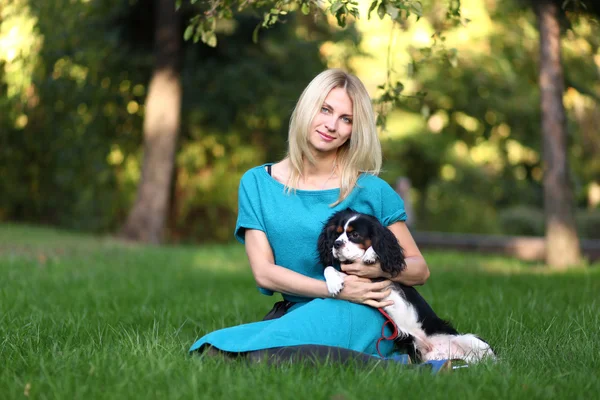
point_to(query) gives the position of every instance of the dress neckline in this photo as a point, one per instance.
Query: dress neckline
(299, 191)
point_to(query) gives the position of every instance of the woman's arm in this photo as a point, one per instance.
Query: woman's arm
(416, 272)
(270, 276)
(274, 277)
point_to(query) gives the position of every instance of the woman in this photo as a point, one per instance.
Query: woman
(333, 160)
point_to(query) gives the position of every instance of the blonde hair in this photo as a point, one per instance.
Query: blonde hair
(360, 154)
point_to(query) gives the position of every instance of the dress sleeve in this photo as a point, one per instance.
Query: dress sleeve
(392, 206)
(250, 214)
(249, 208)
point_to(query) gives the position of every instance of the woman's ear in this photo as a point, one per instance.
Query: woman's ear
(389, 251)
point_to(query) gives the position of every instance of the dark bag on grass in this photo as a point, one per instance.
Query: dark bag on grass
(279, 309)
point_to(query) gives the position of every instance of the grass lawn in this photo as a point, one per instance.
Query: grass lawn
(87, 317)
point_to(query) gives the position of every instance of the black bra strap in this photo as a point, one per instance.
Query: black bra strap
(269, 169)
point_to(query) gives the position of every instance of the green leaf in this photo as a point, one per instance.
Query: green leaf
(197, 35)
(189, 31)
(341, 19)
(381, 10)
(336, 6)
(305, 8)
(209, 24)
(398, 88)
(371, 8)
(417, 8)
(392, 11)
(212, 41)
(255, 34)
(227, 14)
(209, 38)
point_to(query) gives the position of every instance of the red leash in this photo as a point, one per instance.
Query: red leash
(394, 335)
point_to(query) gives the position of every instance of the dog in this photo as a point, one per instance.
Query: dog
(348, 236)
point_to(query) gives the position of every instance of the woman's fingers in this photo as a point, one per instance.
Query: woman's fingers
(352, 269)
(366, 284)
(366, 270)
(355, 278)
(379, 295)
(364, 291)
(378, 304)
(379, 286)
(358, 269)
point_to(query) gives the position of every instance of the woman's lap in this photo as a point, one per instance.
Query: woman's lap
(321, 322)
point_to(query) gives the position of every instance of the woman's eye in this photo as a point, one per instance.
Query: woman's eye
(347, 120)
(325, 110)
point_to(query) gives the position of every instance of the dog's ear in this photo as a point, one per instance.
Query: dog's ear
(389, 251)
(325, 244)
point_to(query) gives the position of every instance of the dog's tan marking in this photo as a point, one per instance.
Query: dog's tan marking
(365, 245)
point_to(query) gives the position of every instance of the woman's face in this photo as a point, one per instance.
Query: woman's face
(332, 126)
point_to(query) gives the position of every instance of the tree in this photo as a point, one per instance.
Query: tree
(146, 220)
(562, 243)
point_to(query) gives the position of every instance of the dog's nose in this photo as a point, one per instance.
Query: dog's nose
(337, 244)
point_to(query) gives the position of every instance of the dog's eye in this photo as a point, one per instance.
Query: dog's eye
(353, 235)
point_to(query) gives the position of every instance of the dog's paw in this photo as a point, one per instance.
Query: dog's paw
(334, 280)
(370, 257)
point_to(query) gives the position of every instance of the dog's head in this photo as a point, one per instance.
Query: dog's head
(347, 235)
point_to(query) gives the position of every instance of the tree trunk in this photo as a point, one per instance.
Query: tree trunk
(146, 220)
(562, 243)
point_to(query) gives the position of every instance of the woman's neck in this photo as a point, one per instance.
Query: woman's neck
(322, 166)
(320, 175)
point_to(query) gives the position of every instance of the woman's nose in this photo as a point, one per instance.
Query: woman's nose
(330, 124)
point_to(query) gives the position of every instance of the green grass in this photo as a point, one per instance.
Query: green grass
(87, 317)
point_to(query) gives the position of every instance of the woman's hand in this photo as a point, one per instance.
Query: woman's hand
(363, 291)
(371, 271)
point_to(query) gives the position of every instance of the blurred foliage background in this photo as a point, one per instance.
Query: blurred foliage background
(74, 75)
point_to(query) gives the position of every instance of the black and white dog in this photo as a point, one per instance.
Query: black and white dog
(348, 236)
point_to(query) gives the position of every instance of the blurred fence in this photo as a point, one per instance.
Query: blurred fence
(528, 248)
(522, 247)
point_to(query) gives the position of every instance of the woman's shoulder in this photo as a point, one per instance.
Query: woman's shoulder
(255, 173)
(373, 186)
(371, 181)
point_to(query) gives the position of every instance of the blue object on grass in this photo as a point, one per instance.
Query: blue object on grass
(400, 358)
(436, 365)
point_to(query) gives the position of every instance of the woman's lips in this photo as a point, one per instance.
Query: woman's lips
(326, 137)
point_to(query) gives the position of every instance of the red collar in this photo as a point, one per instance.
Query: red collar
(394, 335)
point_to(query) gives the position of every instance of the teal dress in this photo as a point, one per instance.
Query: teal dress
(292, 223)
